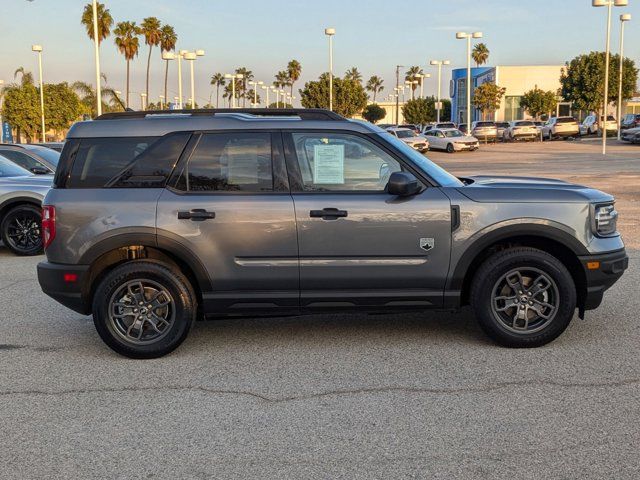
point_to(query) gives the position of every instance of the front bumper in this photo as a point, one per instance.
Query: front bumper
(66, 284)
(610, 267)
(459, 146)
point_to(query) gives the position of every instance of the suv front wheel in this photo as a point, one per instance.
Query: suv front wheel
(523, 297)
(143, 309)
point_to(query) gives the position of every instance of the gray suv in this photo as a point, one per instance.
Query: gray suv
(158, 219)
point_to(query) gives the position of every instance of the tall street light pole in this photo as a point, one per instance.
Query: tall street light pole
(468, 37)
(608, 4)
(255, 92)
(397, 89)
(181, 55)
(143, 102)
(266, 89)
(330, 32)
(439, 64)
(38, 50)
(96, 45)
(625, 17)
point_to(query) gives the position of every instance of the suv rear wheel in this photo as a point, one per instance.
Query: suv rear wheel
(143, 309)
(21, 230)
(523, 297)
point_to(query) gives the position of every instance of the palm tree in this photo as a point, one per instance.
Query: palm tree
(128, 44)
(247, 76)
(413, 75)
(217, 80)
(480, 54)
(105, 21)
(168, 40)
(353, 74)
(295, 70)
(375, 85)
(27, 77)
(87, 95)
(228, 91)
(151, 29)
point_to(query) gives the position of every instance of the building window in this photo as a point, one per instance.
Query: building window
(513, 110)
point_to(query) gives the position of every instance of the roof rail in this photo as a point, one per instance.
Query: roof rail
(302, 113)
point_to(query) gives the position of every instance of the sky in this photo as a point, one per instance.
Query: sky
(372, 35)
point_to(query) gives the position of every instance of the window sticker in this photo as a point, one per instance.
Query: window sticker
(328, 165)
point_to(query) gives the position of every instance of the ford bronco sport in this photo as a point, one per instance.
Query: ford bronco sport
(157, 219)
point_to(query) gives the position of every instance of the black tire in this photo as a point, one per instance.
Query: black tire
(183, 308)
(450, 148)
(25, 244)
(561, 293)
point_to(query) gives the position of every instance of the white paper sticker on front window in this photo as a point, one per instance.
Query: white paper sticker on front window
(328, 164)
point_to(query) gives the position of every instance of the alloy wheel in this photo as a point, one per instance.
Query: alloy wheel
(525, 300)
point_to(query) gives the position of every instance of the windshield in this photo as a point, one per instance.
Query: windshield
(437, 173)
(485, 124)
(524, 124)
(47, 154)
(566, 120)
(405, 133)
(453, 133)
(10, 169)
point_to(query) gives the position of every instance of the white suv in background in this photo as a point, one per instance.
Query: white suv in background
(520, 130)
(411, 138)
(591, 126)
(560, 127)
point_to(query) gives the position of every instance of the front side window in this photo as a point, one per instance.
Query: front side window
(405, 133)
(10, 169)
(229, 162)
(453, 133)
(338, 162)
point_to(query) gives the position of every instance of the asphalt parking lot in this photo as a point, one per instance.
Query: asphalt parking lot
(334, 396)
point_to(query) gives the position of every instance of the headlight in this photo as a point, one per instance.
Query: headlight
(605, 220)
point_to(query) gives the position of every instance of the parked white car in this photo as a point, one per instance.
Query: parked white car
(451, 139)
(411, 138)
(521, 130)
(560, 127)
(591, 125)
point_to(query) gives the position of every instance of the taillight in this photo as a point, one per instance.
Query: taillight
(48, 224)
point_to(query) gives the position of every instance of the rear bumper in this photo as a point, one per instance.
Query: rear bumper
(599, 280)
(66, 284)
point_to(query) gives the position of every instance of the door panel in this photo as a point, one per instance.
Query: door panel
(360, 246)
(374, 255)
(226, 211)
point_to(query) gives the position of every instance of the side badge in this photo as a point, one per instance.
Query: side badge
(427, 244)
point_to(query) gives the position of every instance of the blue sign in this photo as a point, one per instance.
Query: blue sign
(6, 135)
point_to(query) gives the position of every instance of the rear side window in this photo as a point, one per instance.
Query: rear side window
(98, 160)
(229, 162)
(152, 168)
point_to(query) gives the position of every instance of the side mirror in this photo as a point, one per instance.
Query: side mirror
(403, 184)
(40, 170)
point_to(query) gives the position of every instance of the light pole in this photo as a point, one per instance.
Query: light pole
(181, 55)
(255, 92)
(397, 89)
(439, 63)
(608, 4)
(233, 77)
(94, 7)
(191, 57)
(38, 50)
(267, 89)
(625, 17)
(143, 103)
(330, 32)
(468, 37)
(422, 77)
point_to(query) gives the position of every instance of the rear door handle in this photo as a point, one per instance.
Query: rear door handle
(196, 215)
(328, 213)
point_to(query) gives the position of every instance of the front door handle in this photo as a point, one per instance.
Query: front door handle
(196, 215)
(328, 213)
